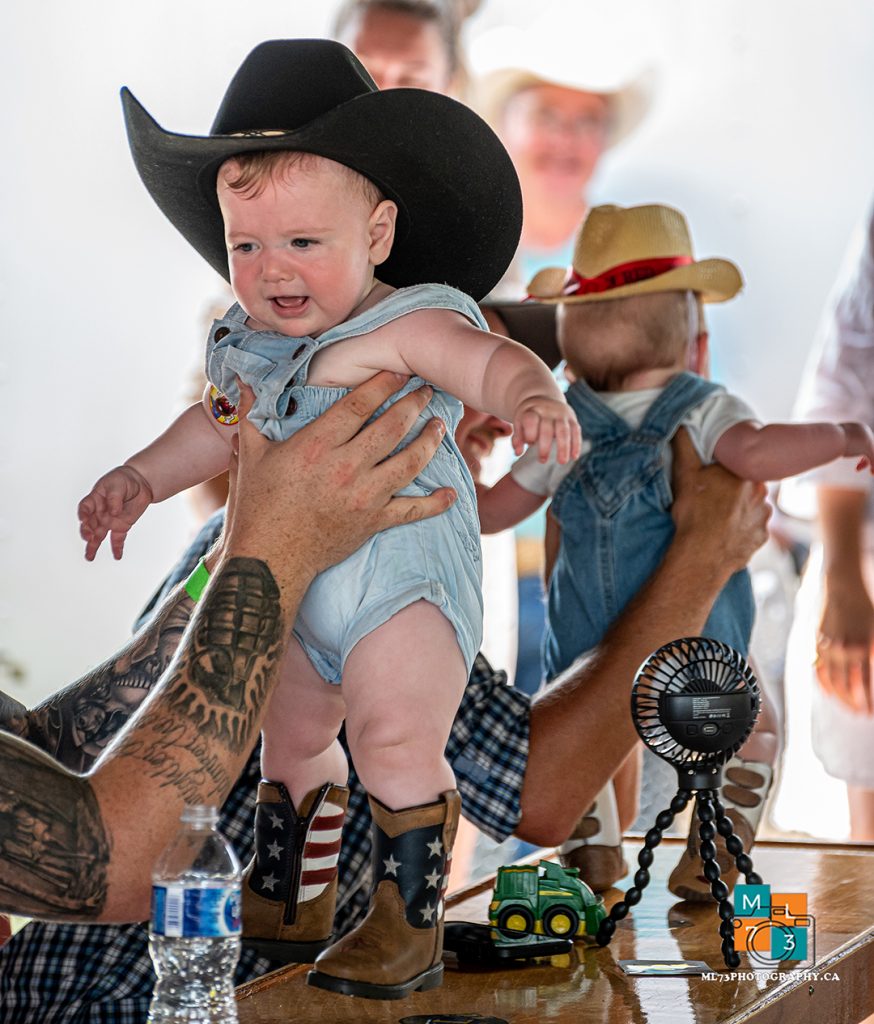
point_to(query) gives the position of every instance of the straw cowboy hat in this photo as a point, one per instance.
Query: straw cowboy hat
(622, 251)
(458, 197)
(508, 60)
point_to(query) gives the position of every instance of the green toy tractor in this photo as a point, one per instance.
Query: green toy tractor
(543, 899)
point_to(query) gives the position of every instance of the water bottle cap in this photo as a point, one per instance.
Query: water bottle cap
(200, 814)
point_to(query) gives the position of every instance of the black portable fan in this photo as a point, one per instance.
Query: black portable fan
(694, 702)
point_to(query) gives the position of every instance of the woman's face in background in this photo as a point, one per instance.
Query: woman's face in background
(555, 137)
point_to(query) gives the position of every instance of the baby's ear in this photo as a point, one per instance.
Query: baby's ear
(382, 231)
(699, 354)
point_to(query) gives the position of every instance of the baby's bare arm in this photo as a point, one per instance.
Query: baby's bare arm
(487, 372)
(501, 377)
(494, 375)
(505, 504)
(773, 451)
(189, 451)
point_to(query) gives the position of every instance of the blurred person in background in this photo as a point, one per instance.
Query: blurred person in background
(556, 122)
(834, 624)
(408, 43)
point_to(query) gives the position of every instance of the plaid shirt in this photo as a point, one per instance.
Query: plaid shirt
(102, 974)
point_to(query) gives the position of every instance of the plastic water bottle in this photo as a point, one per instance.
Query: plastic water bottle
(194, 938)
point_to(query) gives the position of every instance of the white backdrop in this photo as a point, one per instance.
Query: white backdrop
(760, 131)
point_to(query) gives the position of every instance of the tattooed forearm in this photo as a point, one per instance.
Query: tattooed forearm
(53, 846)
(76, 724)
(222, 682)
(179, 756)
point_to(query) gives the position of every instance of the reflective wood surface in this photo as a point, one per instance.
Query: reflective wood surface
(587, 986)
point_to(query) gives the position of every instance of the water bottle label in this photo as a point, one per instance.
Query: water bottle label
(195, 912)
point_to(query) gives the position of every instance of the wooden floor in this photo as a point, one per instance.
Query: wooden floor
(588, 986)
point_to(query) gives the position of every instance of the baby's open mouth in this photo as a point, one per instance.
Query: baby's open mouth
(289, 301)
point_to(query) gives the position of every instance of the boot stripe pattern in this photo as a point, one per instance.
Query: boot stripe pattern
(320, 857)
(321, 849)
(329, 822)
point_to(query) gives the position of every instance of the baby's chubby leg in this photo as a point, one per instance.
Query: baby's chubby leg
(403, 684)
(299, 737)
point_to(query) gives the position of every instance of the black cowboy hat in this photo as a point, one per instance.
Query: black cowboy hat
(458, 197)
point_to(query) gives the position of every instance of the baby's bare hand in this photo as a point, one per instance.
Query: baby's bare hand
(113, 505)
(859, 440)
(546, 421)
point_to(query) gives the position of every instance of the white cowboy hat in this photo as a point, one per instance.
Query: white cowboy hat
(508, 60)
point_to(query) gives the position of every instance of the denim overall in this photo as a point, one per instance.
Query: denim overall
(438, 559)
(614, 511)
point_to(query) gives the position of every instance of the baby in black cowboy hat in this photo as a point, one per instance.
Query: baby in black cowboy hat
(310, 180)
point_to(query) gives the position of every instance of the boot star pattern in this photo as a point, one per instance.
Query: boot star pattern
(417, 862)
(281, 870)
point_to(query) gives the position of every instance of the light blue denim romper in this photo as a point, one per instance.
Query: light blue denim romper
(438, 559)
(614, 510)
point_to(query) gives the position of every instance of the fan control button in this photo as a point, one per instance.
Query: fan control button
(711, 729)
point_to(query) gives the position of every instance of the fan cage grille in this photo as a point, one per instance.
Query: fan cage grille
(689, 665)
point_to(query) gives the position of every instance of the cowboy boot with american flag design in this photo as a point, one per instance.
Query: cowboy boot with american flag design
(290, 885)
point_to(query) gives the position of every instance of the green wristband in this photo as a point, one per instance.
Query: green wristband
(197, 581)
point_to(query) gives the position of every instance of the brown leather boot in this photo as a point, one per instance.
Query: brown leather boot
(397, 948)
(290, 885)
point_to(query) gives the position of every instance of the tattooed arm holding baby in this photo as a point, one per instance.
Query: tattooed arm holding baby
(191, 736)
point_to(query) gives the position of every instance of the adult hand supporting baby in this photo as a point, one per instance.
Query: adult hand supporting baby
(332, 485)
(298, 506)
(727, 516)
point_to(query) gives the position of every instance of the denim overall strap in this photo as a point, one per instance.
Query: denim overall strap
(624, 460)
(680, 396)
(731, 617)
(597, 420)
(614, 512)
(265, 360)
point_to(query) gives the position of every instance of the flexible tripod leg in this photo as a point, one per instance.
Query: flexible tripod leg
(652, 839)
(734, 844)
(704, 806)
(742, 861)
